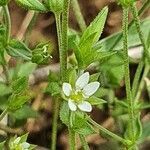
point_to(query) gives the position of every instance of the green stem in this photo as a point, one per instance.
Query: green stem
(54, 125)
(63, 52)
(72, 139)
(127, 72)
(78, 15)
(137, 78)
(7, 23)
(141, 36)
(84, 142)
(142, 83)
(3, 114)
(111, 134)
(143, 8)
(56, 101)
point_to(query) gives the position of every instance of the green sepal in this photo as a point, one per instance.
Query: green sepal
(32, 5)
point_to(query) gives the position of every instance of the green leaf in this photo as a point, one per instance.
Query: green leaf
(32, 5)
(53, 88)
(17, 101)
(64, 113)
(4, 89)
(26, 69)
(2, 145)
(84, 52)
(81, 125)
(113, 70)
(18, 49)
(93, 100)
(21, 113)
(106, 43)
(19, 85)
(96, 27)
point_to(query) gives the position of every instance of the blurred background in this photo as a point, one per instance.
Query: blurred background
(44, 29)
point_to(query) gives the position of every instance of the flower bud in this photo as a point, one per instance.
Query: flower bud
(3, 2)
(126, 3)
(56, 6)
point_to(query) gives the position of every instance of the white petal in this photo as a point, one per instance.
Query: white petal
(72, 105)
(67, 89)
(82, 81)
(91, 88)
(25, 145)
(85, 106)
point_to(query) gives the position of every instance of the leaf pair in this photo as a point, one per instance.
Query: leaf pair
(84, 51)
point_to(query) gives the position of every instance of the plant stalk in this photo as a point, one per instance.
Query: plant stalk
(143, 8)
(141, 36)
(142, 83)
(54, 123)
(127, 74)
(104, 130)
(71, 139)
(7, 23)
(84, 142)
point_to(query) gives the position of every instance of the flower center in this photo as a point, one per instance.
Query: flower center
(77, 96)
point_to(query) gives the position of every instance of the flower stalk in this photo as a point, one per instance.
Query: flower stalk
(141, 36)
(127, 74)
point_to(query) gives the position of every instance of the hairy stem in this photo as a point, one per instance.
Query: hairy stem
(71, 139)
(111, 134)
(84, 143)
(56, 100)
(78, 15)
(54, 125)
(142, 83)
(143, 8)
(127, 73)
(7, 23)
(141, 36)
(137, 78)
(63, 52)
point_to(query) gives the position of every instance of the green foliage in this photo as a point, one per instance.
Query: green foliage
(93, 100)
(32, 5)
(53, 88)
(126, 3)
(17, 101)
(80, 124)
(107, 43)
(19, 49)
(3, 2)
(17, 143)
(84, 52)
(19, 85)
(40, 54)
(4, 89)
(21, 114)
(113, 70)
(64, 113)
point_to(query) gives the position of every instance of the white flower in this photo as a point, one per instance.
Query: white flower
(77, 96)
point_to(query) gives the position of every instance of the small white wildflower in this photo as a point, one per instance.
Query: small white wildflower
(78, 95)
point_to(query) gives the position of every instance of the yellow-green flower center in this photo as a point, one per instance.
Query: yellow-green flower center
(77, 96)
